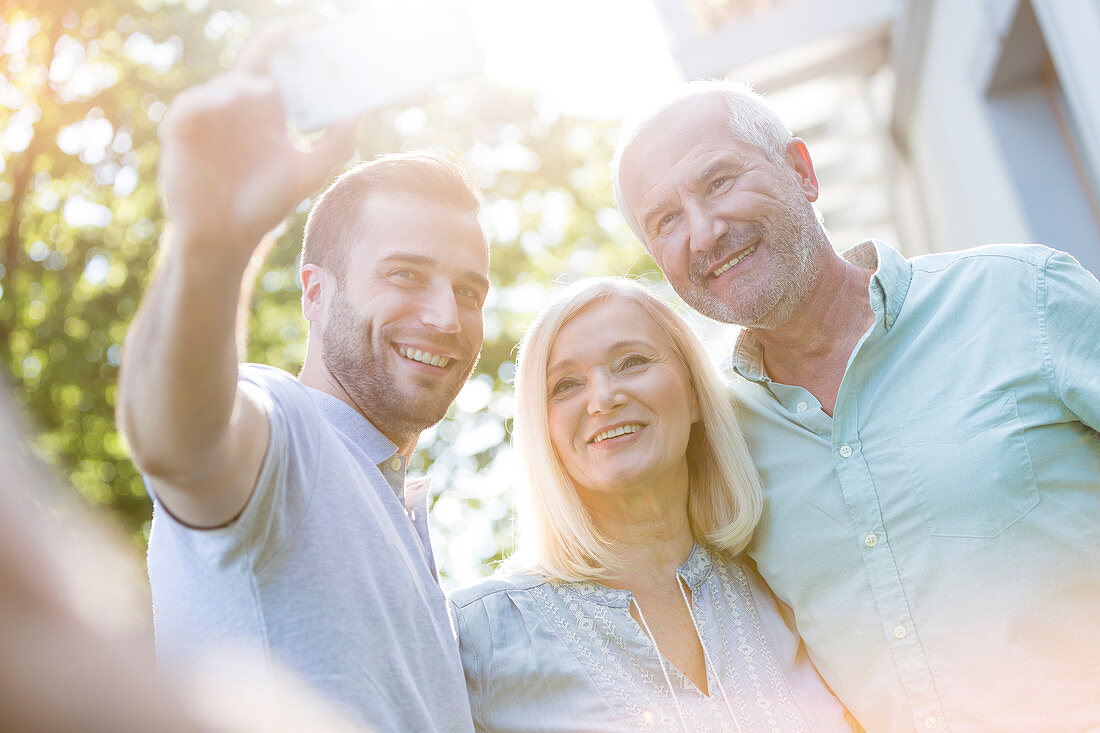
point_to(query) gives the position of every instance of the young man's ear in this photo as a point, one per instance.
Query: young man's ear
(798, 158)
(316, 287)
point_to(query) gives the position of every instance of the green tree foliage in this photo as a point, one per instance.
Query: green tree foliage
(81, 98)
(82, 92)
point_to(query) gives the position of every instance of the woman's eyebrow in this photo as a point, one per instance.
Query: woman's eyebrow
(624, 345)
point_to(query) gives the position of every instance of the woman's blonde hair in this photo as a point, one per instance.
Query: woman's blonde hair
(556, 534)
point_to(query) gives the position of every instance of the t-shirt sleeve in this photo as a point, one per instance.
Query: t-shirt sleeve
(284, 485)
(1069, 319)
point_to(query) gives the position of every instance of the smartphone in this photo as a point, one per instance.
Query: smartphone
(373, 57)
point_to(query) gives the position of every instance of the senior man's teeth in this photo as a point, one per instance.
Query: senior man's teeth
(424, 357)
(734, 261)
(616, 432)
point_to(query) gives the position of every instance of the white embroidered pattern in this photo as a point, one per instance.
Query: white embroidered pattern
(595, 623)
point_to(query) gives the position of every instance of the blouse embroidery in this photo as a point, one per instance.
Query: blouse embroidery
(595, 623)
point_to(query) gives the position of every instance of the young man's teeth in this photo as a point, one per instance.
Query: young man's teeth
(734, 261)
(616, 432)
(423, 357)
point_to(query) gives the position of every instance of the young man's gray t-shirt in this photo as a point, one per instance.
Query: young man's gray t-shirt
(325, 571)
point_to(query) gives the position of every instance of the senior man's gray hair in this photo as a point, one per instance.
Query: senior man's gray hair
(751, 121)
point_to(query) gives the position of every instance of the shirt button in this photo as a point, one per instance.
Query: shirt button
(802, 407)
(395, 464)
(871, 540)
(931, 723)
(845, 451)
(900, 631)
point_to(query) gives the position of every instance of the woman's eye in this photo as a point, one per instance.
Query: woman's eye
(562, 386)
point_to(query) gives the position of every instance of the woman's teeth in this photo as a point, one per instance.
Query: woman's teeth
(423, 357)
(734, 261)
(616, 432)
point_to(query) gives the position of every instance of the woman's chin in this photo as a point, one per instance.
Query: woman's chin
(630, 478)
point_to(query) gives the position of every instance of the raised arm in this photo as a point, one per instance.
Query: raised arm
(228, 176)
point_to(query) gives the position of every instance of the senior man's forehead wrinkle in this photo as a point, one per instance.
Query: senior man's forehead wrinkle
(675, 139)
(671, 188)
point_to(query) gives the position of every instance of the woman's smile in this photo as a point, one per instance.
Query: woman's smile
(619, 402)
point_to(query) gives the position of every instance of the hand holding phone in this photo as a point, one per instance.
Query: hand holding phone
(228, 172)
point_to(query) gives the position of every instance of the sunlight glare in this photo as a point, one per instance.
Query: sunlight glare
(592, 58)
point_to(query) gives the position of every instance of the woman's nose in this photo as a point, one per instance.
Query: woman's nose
(604, 394)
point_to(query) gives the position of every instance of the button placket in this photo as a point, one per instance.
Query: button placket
(852, 462)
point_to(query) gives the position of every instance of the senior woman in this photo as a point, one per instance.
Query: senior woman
(627, 607)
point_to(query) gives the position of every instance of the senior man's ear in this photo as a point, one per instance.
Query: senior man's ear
(317, 284)
(798, 158)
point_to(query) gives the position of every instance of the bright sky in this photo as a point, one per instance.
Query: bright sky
(587, 57)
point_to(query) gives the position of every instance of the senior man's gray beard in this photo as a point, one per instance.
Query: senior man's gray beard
(794, 244)
(356, 356)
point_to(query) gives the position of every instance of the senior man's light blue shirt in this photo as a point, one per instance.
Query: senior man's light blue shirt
(938, 537)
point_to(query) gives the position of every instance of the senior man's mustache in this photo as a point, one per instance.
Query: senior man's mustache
(729, 244)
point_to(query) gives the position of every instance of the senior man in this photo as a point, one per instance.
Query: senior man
(926, 429)
(282, 517)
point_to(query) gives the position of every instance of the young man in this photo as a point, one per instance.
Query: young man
(926, 430)
(282, 519)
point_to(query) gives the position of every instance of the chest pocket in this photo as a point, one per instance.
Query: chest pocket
(969, 465)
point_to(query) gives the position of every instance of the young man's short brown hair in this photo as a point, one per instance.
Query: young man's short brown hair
(335, 220)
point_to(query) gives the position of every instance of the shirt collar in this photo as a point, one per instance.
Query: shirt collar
(890, 283)
(417, 491)
(747, 358)
(887, 290)
(697, 567)
(348, 421)
(694, 571)
(378, 447)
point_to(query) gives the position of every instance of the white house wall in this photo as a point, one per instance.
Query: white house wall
(956, 135)
(954, 150)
